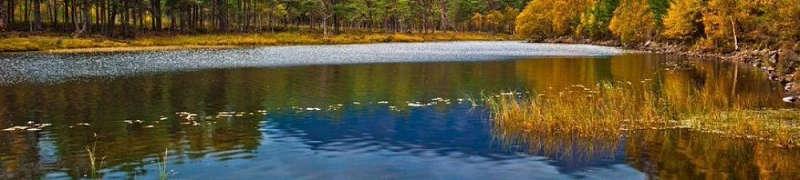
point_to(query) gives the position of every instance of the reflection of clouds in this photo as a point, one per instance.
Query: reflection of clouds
(294, 152)
(617, 171)
(453, 143)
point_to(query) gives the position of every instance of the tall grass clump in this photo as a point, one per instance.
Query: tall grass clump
(610, 109)
(604, 112)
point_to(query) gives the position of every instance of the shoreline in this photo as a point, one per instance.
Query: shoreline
(780, 65)
(66, 44)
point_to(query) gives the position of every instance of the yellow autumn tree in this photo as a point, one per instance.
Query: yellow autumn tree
(477, 21)
(547, 18)
(728, 21)
(785, 21)
(493, 20)
(682, 19)
(633, 21)
(510, 15)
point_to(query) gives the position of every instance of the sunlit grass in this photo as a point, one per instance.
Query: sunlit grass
(610, 109)
(91, 44)
(39, 43)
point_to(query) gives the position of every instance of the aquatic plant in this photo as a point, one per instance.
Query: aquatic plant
(610, 109)
(94, 166)
(162, 165)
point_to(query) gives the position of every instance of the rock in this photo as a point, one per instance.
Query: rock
(773, 56)
(790, 99)
(773, 77)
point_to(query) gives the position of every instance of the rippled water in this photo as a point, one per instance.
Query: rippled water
(384, 111)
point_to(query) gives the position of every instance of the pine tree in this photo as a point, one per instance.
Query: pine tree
(595, 20)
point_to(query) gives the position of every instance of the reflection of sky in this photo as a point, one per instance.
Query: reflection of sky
(374, 143)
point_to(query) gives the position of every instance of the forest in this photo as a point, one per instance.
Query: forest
(129, 18)
(718, 25)
(705, 24)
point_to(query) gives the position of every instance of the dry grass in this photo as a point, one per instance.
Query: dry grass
(55, 43)
(610, 109)
(39, 43)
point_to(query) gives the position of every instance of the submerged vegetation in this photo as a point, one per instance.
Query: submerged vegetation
(609, 110)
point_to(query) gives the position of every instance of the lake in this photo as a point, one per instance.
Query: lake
(377, 111)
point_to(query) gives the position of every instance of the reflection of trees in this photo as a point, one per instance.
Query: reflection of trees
(678, 154)
(572, 150)
(711, 77)
(673, 155)
(562, 72)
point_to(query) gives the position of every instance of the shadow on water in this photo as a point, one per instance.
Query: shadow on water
(368, 125)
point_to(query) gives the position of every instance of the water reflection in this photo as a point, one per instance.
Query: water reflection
(364, 139)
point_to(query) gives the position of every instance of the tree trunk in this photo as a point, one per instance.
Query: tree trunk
(443, 7)
(223, 15)
(157, 15)
(53, 14)
(735, 39)
(2, 18)
(37, 15)
(8, 17)
(125, 17)
(84, 18)
(112, 19)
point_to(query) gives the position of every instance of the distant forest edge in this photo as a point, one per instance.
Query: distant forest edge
(713, 25)
(129, 18)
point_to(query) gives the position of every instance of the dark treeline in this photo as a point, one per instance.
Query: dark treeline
(127, 18)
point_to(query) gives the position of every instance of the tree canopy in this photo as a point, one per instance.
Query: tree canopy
(709, 23)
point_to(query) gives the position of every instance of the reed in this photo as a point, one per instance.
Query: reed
(610, 109)
(162, 165)
(94, 166)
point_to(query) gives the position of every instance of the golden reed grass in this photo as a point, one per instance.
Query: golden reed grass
(608, 110)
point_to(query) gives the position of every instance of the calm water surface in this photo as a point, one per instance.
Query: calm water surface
(385, 111)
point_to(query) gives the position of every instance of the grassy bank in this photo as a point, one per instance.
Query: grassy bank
(56, 43)
(609, 110)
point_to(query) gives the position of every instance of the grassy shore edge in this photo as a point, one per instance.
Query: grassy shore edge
(66, 44)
